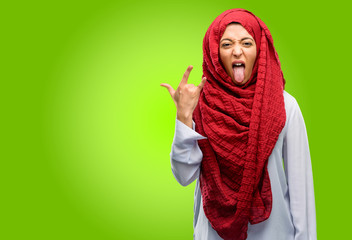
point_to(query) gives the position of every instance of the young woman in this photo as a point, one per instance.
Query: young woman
(243, 138)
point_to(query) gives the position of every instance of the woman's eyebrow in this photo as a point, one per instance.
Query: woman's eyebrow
(245, 38)
(226, 39)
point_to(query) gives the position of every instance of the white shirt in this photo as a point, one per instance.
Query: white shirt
(289, 166)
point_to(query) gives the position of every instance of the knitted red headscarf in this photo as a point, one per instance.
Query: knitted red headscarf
(242, 125)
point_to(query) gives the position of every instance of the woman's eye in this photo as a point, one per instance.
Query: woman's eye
(247, 44)
(225, 44)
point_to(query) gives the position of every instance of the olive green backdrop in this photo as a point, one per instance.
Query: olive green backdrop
(87, 130)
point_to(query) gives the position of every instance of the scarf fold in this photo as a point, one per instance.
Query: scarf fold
(242, 125)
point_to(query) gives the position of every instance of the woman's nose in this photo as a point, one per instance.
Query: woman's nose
(237, 51)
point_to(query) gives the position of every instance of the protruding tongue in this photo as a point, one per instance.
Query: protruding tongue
(238, 74)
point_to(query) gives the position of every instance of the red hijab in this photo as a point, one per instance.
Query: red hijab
(242, 125)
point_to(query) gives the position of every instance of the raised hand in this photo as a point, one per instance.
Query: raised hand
(185, 97)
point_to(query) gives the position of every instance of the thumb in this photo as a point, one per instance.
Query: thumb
(169, 88)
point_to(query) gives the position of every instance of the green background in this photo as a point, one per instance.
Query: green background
(87, 130)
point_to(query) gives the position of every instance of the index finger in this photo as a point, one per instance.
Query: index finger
(186, 75)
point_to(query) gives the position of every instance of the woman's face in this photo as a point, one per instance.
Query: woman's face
(238, 52)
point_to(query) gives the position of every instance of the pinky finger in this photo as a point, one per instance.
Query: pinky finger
(201, 84)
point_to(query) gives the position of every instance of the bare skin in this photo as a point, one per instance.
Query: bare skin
(185, 97)
(237, 45)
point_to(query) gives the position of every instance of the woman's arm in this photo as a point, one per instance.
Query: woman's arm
(186, 155)
(299, 175)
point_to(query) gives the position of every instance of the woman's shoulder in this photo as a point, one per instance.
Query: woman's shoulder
(289, 99)
(291, 104)
(293, 111)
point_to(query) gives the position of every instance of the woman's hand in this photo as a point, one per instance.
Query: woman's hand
(185, 97)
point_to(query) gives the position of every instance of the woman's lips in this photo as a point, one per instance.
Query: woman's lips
(238, 62)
